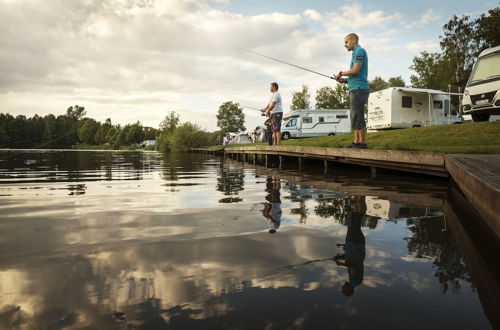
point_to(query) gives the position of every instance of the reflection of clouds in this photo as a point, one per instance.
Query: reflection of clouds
(14, 292)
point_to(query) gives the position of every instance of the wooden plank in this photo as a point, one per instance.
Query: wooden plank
(428, 158)
(478, 176)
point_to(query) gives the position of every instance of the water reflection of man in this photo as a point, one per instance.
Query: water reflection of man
(354, 247)
(272, 207)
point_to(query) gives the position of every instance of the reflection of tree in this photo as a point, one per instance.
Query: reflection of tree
(339, 209)
(301, 210)
(428, 240)
(230, 181)
(169, 167)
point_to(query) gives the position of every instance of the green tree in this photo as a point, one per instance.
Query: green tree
(76, 112)
(87, 129)
(170, 123)
(150, 133)
(188, 136)
(377, 84)
(329, 98)
(459, 49)
(429, 69)
(396, 82)
(488, 29)
(49, 131)
(135, 133)
(100, 135)
(230, 118)
(301, 100)
(462, 41)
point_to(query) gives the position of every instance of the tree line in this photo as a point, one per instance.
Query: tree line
(68, 131)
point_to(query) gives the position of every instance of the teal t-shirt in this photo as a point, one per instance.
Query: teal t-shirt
(359, 81)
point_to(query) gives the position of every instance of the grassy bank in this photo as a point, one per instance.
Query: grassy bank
(466, 138)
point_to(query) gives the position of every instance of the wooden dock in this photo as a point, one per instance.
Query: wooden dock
(478, 176)
(429, 163)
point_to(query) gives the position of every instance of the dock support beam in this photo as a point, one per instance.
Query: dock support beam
(266, 158)
(281, 162)
(373, 172)
(300, 163)
(325, 164)
(254, 159)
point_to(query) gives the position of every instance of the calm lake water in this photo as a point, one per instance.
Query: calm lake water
(138, 240)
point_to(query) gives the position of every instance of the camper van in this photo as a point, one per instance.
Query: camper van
(309, 123)
(482, 92)
(402, 107)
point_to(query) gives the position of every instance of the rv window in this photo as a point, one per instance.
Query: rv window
(292, 123)
(307, 120)
(446, 107)
(437, 104)
(407, 102)
(341, 116)
(321, 119)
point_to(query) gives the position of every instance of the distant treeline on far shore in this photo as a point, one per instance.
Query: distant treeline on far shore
(68, 131)
(74, 130)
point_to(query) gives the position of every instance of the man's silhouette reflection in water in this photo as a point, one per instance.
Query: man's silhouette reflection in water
(354, 247)
(272, 207)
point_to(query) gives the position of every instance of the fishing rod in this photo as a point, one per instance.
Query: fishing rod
(262, 114)
(244, 106)
(291, 64)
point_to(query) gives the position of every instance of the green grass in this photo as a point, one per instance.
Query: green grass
(468, 138)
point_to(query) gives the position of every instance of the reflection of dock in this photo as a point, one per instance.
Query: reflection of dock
(478, 176)
(402, 192)
(479, 246)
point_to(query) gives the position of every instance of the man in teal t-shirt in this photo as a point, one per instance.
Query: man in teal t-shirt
(357, 80)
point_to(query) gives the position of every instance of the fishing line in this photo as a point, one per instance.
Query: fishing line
(287, 63)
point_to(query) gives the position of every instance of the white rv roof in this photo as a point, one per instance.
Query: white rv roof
(423, 91)
(489, 51)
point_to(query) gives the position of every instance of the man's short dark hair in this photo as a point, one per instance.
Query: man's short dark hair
(275, 85)
(352, 36)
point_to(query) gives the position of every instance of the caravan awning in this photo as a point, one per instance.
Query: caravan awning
(426, 91)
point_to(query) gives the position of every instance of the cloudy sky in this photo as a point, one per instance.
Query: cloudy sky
(135, 60)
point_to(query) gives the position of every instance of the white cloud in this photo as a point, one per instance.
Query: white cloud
(354, 17)
(313, 15)
(419, 46)
(427, 17)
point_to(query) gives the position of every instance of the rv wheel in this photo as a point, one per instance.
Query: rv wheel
(482, 117)
(285, 136)
(331, 134)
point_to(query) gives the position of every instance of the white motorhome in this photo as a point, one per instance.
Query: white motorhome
(309, 123)
(482, 92)
(402, 107)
